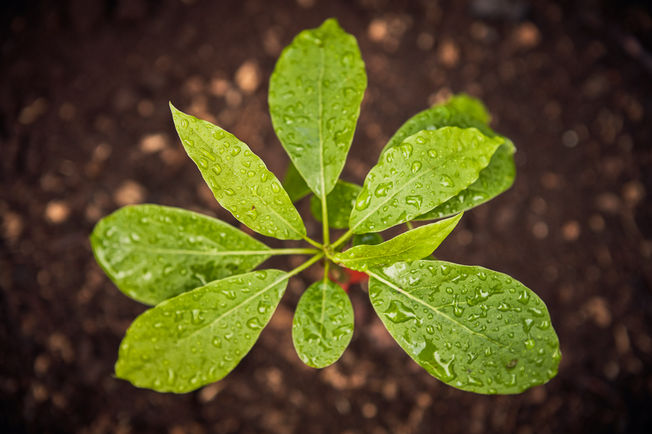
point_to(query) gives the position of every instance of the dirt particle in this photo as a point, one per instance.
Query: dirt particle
(608, 202)
(570, 139)
(527, 36)
(369, 410)
(218, 87)
(152, 143)
(551, 181)
(12, 226)
(307, 4)
(145, 108)
(33, 111)
(67, 111)
(129, 193)
(425, 41)
(60, 344)
(540, 230)
(57, 211)
(41, 364)
(598, 310)
(233, 98)
(377, 30)
(209, 392)
(571, 230)
(633, 193)
(247, 77)
(621, 337)
(194, 85)
(448, 54)
(464, 237)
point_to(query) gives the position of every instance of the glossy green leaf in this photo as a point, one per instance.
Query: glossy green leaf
(155, 252)
(323, 324)
(294, 184)
(423, 172)
(473, 328)
(494, 179)
(460, 111)
(198, 337)
(239, 179)
(370, 239)
(339, 204)
(314, 100)
(409, 246)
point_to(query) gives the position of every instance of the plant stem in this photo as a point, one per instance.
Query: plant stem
(305, 265)
(324, 219)
(312, 242)
(327, 264)
(292, 251)
(348, 234)
(409, 225)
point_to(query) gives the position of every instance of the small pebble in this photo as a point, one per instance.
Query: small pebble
(247, 77)
(129, 193)
(57, 211)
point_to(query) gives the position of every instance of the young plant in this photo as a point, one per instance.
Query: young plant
(472, 328)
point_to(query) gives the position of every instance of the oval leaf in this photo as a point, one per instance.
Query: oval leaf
(198, 337)
(155, 252)
(314, 100)
(339, 204)
(294, 184)
(494, 179)
(239, 179)
(426, 170)
(370, 239)
(323, 324)
(409, 246)
(473, 328)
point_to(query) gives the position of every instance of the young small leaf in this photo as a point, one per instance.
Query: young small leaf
(198, 337)
(155, 252)
(473, 328)
(370, 239)
(323, 324)
(314, 100)
(409, 246)
(339, 204)
(239, 179)
(426, 170)
(294, 184)
(494, 179)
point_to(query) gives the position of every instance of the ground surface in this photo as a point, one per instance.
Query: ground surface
(85, 128)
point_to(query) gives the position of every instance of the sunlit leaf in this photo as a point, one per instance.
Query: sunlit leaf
(473, 328)
(198, 337)
(239, 179)
(155, 252)
(323, 324)
(314, 100)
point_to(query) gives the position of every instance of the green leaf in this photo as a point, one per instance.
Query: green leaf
(239, 179)
(155, 252)
(426, 170)
(409, 246)
(370, 239)
(339, 204)
(472, 328)
(294, 184)
(323, 324)
(198, 337)
(460, 111)
(494, 179)
(314, 100)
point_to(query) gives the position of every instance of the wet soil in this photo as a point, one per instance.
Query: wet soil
(85, 129)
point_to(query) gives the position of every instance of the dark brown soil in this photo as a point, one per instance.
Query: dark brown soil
(85, 128)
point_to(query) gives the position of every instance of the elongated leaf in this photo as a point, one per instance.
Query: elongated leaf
(239, 179)
(494, 179)
(294, 184)
(323, 324)
(198, 337)
(409, 246)
(472, 328)
(460, 111)
(314, 100)
(339, 204)
(155, 252)
(370, 239)
(426, 170)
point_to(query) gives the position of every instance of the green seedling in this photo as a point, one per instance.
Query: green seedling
(472, 328)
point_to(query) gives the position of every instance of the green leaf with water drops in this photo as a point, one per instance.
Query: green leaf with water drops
(421, 173)
(370, 239)
(409, 246)
(315, 93)
(239, 179)
(198, 337)
(460, 111)
(155, 252)
(473, 328)
(294, 184)
(339, 204)
(494, 179)
(323, 324)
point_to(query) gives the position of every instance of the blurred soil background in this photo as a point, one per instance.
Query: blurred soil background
(85, 128)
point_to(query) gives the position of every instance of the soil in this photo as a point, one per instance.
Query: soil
(85, 128)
